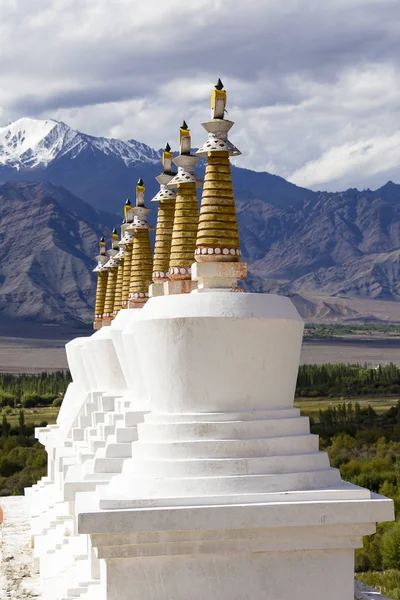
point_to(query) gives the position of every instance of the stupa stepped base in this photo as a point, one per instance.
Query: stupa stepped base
(19, 575)
(249, 547)
(86, 448)
(241, 456)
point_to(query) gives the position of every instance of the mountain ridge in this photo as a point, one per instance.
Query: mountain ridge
(318, 247)
(31, 143)
(104, 171)
(46, 268)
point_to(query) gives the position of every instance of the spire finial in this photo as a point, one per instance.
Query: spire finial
(102, 246)
(167, 160)
(218, 101)
(114, 239)
(127, 207)
(184, 138)
(140, 193)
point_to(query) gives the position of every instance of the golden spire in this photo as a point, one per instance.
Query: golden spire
(112, 267)
(102, 275)
(142, 261)
(120, 257)
(218, 234)
(186, 210)
(165, 223)
(217, 246)
(127, 243)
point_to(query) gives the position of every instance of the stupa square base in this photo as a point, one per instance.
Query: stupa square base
(181, 286)
(312, 575)
(156, 289)
(218, 275)
(278, 551)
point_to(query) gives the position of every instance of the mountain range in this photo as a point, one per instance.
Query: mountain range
(336, 254)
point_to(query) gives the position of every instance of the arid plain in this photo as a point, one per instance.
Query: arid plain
(32, 355)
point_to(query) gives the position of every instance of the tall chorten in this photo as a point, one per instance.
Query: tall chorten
(112, 268)
(127, 242)
(142, 260)
(102, 275)
(120, 257)
(217, 244)
(165, 223)
(185, 219)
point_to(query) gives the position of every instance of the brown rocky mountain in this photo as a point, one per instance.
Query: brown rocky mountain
(336, 255)
(47, 241)
(345, 244)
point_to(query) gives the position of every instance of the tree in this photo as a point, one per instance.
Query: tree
(391, 547)
(5, 426)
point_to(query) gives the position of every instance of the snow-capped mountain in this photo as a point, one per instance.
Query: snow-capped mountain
(31, 143)
(104, 171)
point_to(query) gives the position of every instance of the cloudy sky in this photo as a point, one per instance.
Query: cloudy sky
(313, 85)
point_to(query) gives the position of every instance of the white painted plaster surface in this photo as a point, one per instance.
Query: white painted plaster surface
(18, 581)
(225, 493)
(218, 352)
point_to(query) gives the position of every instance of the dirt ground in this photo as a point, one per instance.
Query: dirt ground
(23, 355)
(18, 581)
(358, 349)
(29, 355)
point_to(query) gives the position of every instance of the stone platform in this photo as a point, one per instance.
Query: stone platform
(18, 581)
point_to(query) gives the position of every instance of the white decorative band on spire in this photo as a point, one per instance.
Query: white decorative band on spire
(136, 295)
(127, 238)
(100, 267)
(180, 270)
(112, 263)
(218, 138)
(160, 275)
(218, 250)
(164, 194)
(218, 142)
(185, 175)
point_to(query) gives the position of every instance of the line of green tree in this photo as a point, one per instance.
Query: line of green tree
(326, 380)
(23, 460)
(347, 380)
(33, 390)
(330, 330)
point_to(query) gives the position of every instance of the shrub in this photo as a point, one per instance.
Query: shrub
(7, 399)
(31, 400)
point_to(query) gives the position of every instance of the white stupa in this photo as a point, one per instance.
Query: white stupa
(190, 475)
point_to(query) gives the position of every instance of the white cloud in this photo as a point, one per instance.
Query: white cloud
(314, 87)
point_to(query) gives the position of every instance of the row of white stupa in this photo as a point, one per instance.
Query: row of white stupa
(179, 469)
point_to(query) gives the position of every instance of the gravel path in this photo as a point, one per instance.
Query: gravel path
(17, 579)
